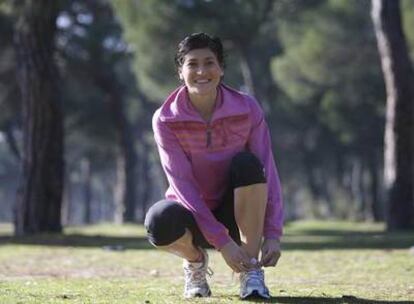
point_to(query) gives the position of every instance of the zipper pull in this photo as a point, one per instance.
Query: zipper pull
(208, 138)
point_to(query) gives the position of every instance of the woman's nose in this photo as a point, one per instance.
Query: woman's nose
(200, 70)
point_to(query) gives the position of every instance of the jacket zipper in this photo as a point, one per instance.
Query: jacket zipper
(208, 136)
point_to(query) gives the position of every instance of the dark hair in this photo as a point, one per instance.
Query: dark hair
(199, 41)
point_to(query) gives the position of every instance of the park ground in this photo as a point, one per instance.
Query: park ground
(322, 262)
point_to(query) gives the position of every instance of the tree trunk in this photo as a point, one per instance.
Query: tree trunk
(66, 203)
(399, 77)
(257, 83)
(359, 197)
(119, 189)
(86, 180)
(11, 139)
(127, 160)
(377, 211)
(125, 188)
(38, 205)
(146, 179)
(130, 172)
(247, 74)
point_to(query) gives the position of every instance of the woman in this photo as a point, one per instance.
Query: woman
(224, 189)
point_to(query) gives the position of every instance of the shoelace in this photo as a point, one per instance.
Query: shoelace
(196, 276)
(256, 274)
(254, 262)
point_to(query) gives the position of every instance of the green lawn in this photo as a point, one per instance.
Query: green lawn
(322, 262)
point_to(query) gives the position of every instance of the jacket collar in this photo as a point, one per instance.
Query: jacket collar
(177, 107)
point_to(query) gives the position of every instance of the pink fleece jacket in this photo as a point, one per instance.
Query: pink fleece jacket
(196, 156)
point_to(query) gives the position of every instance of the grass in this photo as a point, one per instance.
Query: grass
(322, 262)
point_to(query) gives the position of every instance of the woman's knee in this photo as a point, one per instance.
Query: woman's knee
(165, 222)
(246, 169)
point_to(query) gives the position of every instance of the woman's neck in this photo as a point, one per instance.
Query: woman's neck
(204, 104)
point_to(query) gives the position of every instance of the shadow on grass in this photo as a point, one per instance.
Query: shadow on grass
(79, 240)
(342, 232)
(323, 300)
(307, 239)
(339, 239)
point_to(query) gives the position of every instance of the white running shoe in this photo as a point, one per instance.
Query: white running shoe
(195, 278)
(252, 284)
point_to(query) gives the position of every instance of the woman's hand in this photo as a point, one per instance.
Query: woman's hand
(270, 252)
(236, 257)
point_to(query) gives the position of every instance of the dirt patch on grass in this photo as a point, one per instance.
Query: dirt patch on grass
(66, 264)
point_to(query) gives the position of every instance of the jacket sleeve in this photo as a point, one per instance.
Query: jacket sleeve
(178, 170)
(259, 143)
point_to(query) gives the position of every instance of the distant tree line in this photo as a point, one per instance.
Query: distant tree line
(79, 81)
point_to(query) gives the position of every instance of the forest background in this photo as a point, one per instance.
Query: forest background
(80, 80)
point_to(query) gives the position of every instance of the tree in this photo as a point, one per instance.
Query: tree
(111, 52)
(38, 205)
(97, 58)
(399, 127)
(9, 92)
(333, 115)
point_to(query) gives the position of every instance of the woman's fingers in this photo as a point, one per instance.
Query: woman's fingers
(275, 259)
(270, 258)
(265, 259)
(237, 264)
(234, 267)
(266, 256)
(272, 261)
(241, 264)
(237, 258)
(237, 267)
(278, 255)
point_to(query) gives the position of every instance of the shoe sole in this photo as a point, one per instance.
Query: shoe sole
(199, 295)
(254, 294)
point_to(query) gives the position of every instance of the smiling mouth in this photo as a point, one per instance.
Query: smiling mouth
(204, 81)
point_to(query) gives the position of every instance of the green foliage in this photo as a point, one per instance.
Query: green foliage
(407, 12)
(9, 104)
(92, 50)
(330, 54)
(152, 30)
(6, 7)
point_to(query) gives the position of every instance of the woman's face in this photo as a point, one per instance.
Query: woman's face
(201, 72)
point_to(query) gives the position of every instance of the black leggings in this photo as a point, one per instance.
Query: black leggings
(166, 221)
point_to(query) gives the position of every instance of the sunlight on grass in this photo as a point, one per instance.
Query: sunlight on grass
(6, 228)
(107, 229)
(343, 226)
